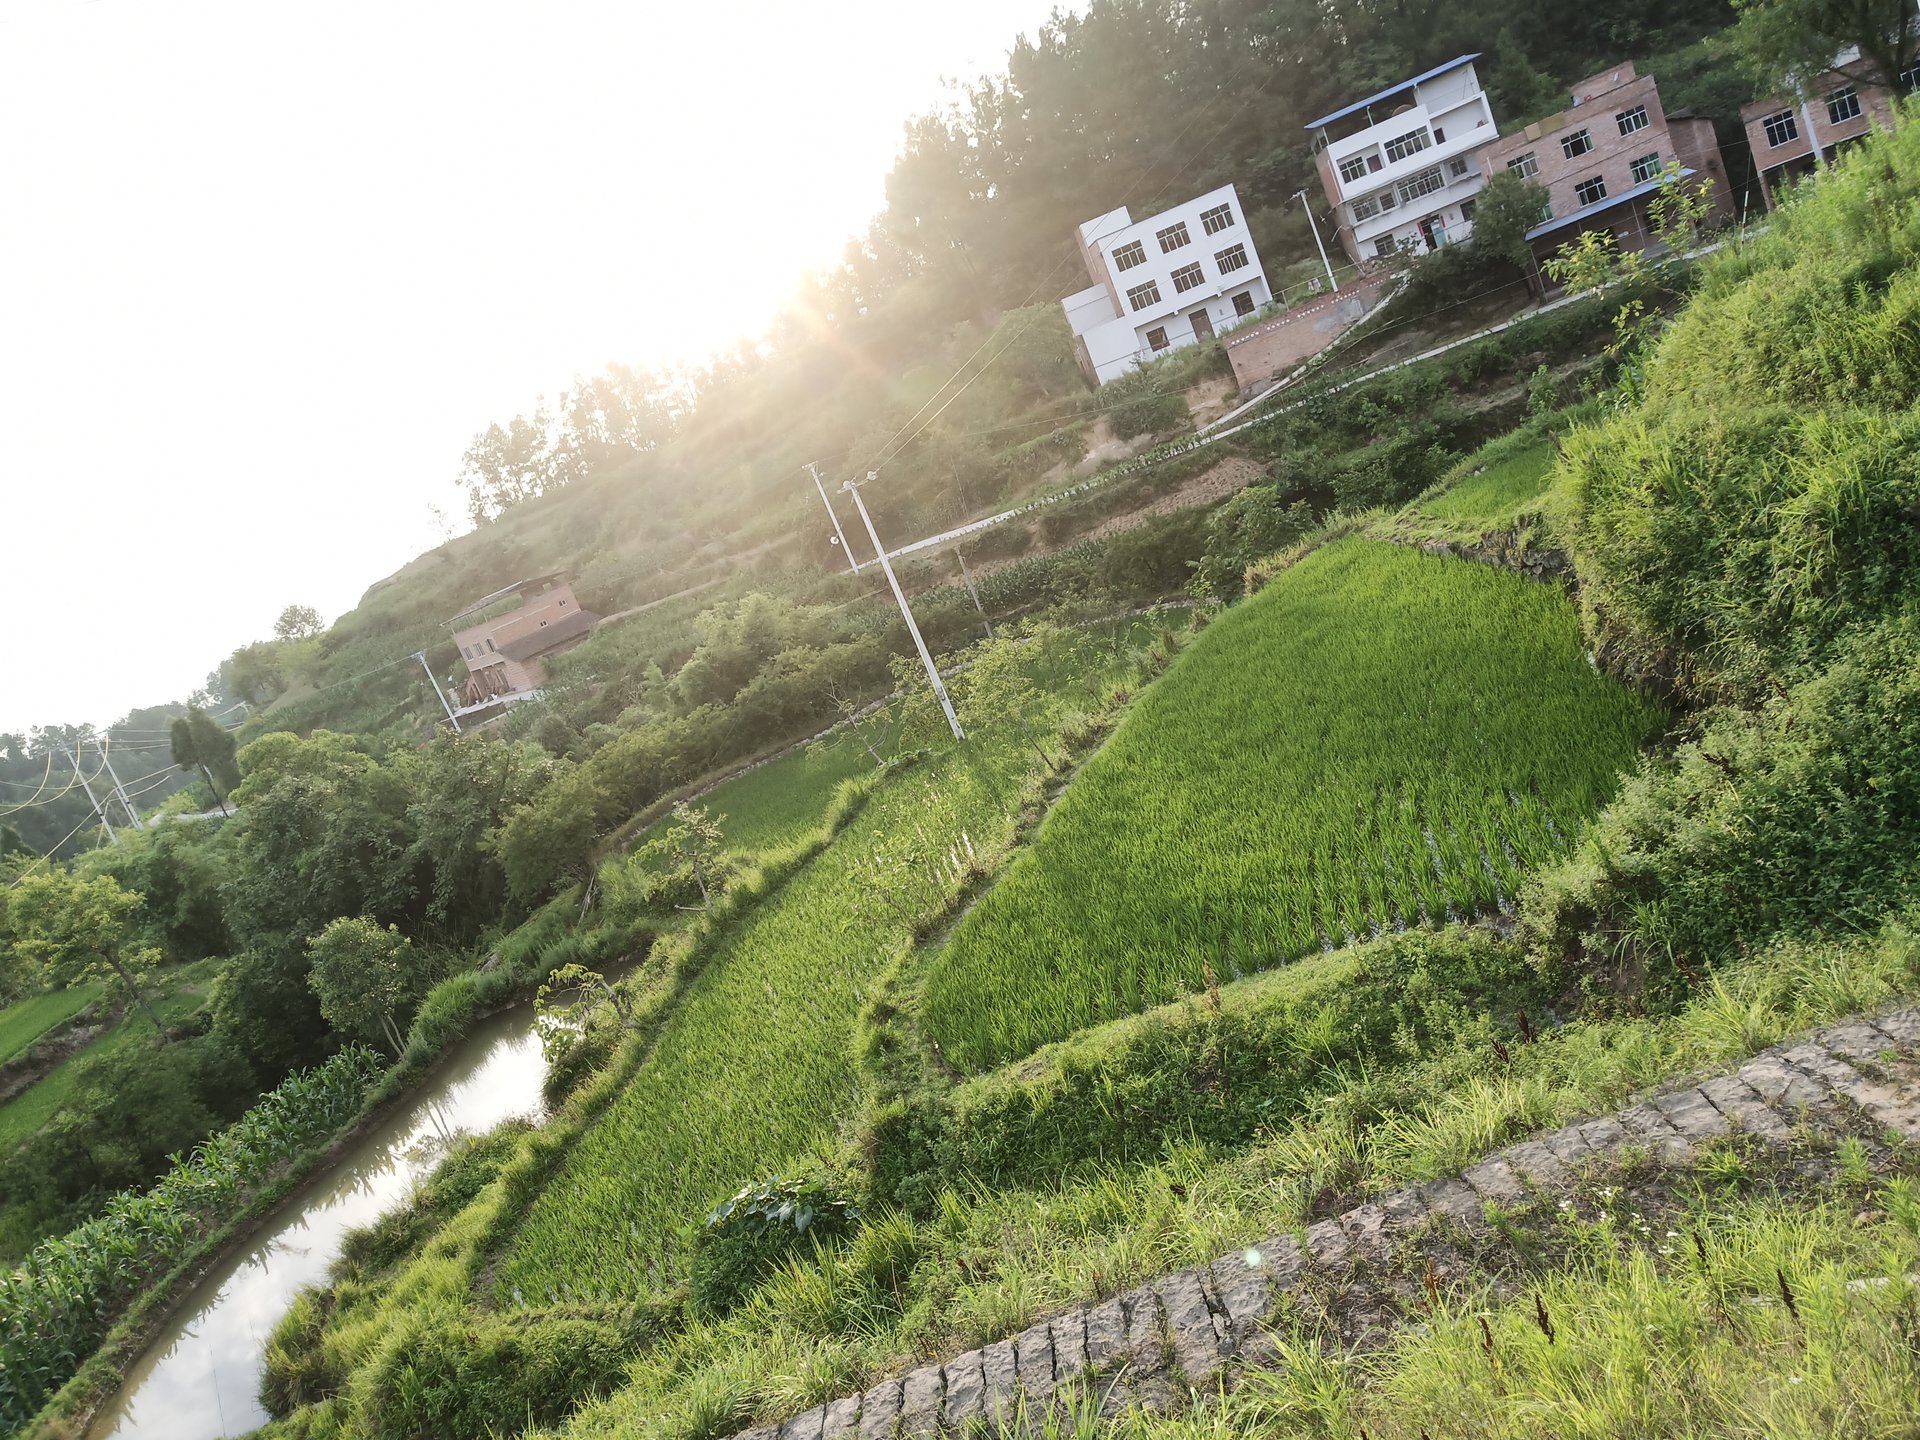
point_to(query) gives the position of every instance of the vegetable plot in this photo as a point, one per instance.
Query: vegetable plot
(1382, 738)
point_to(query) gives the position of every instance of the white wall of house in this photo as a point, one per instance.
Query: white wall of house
(1136, 307)
(1410, 178)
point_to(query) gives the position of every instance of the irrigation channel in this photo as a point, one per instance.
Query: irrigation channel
(200, 1377)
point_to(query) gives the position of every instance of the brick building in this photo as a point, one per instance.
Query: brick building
(1600, 161)
(1838, 108)
(509, 633)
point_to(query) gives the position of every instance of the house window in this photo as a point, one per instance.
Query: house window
(1234, 257)
(489, 642)
(1425, 183)
(1646, 167)
(1546, 213)
(1188, 277)
(1843, 105)
(466, 652)
(1173, 237)
(1219, 218)
(1466, 210)
(1243, 303)
(1411, 143)
(1632, 120)
(1141, 296)
(1781, 128)
(1365, 208)
(1578, 143)
(1351, 169)
(1129, 255)
(1590, 192)
(1525, 166)
(1439, 136)
(1457, 166)
(1385, 246)
(1908, 80)
(1157, 337)
(1387, 202)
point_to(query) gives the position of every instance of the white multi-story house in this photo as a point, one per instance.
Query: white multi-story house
(1183, 275)
(1402, 167)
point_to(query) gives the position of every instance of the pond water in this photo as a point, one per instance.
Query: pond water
(200, 1377)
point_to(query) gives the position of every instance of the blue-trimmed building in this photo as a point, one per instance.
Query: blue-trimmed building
(1401, 168)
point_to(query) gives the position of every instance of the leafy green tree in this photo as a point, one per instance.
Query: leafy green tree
(297, 622)
(1507, 208)
(1793, 42)
(466, 787)
(365, 975)
(200, 742)
(693, 836)
(70, 931)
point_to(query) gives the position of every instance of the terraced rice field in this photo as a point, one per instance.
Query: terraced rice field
(26, 1022)
(1381, 738)
(775, 804)
(755, 1066)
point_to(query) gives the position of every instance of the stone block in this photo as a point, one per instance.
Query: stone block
(1691, 1114)
(921, 1395)
(1781, 1086)
(1535, 1162)
(1902, 1027)
(1106, 1331)
(805, 1426)
(1456, 1201)
(1197, 1347)
(1567, 1145)
(1033, 1359)
(1742, 1105)
(842, 1419)
(880, 1410)
(1326, 1245)
(1404, 1209)
(1494, 1183)
(966, 1387)
(1883, 1104)
(1069, 1334)
(1855, 1040)
(1652, 1129)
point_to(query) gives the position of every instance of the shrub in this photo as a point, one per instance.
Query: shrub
(748, 1235)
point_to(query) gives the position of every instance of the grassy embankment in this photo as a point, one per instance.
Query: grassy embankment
(176, 994)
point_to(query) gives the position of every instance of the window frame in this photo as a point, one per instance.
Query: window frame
(1233, 258)
(1457, 168)
(1780, 120)
(1163, 343)
(1406, 145)
(1637, 114)
(1596, 183)
(1174, 237)
(1414, 187)
(1525, 166)
(1581, 138)
(1248, 308)
(1188, 277)
(1223, 214)
(1359, 164)
(1139, 299)
(1127, 256)
(1846, 94)
(1364, 207)
(1647, 167)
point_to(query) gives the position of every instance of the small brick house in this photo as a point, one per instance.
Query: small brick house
(1840, 107)
(509, 633)
(1601, 160)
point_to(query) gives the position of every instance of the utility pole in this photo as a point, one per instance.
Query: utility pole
(933, 671)
(105, 824)
(119, 789)
(1314, 225)
(838, 533)
(965, 575)
(421, 656)
(1813, 135)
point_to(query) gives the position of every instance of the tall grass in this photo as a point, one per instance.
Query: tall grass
(1382, 738)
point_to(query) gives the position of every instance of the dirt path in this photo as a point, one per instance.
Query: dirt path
(1197, 1330)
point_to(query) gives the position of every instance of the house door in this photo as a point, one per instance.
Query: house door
(1202, 325)
(1434, 231)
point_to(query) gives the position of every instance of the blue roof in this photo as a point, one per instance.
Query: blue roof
(1586, 212)
(1393, 90)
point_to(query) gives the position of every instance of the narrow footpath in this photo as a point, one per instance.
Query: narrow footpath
(1193, 1332)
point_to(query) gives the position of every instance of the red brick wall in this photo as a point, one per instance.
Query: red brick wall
(1273, 347)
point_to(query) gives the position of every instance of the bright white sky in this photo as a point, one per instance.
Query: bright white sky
(266, 268)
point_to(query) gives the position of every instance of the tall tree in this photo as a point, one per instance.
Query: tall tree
(297, 622)
(1794, 41)
(71, 931)
(200, 742)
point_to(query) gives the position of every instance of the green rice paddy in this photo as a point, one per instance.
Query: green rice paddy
(1382, 738)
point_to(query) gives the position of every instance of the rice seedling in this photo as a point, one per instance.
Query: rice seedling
(1382, 738)
(26, 1022)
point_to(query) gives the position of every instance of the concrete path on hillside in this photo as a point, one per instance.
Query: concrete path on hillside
(1194, 1330)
